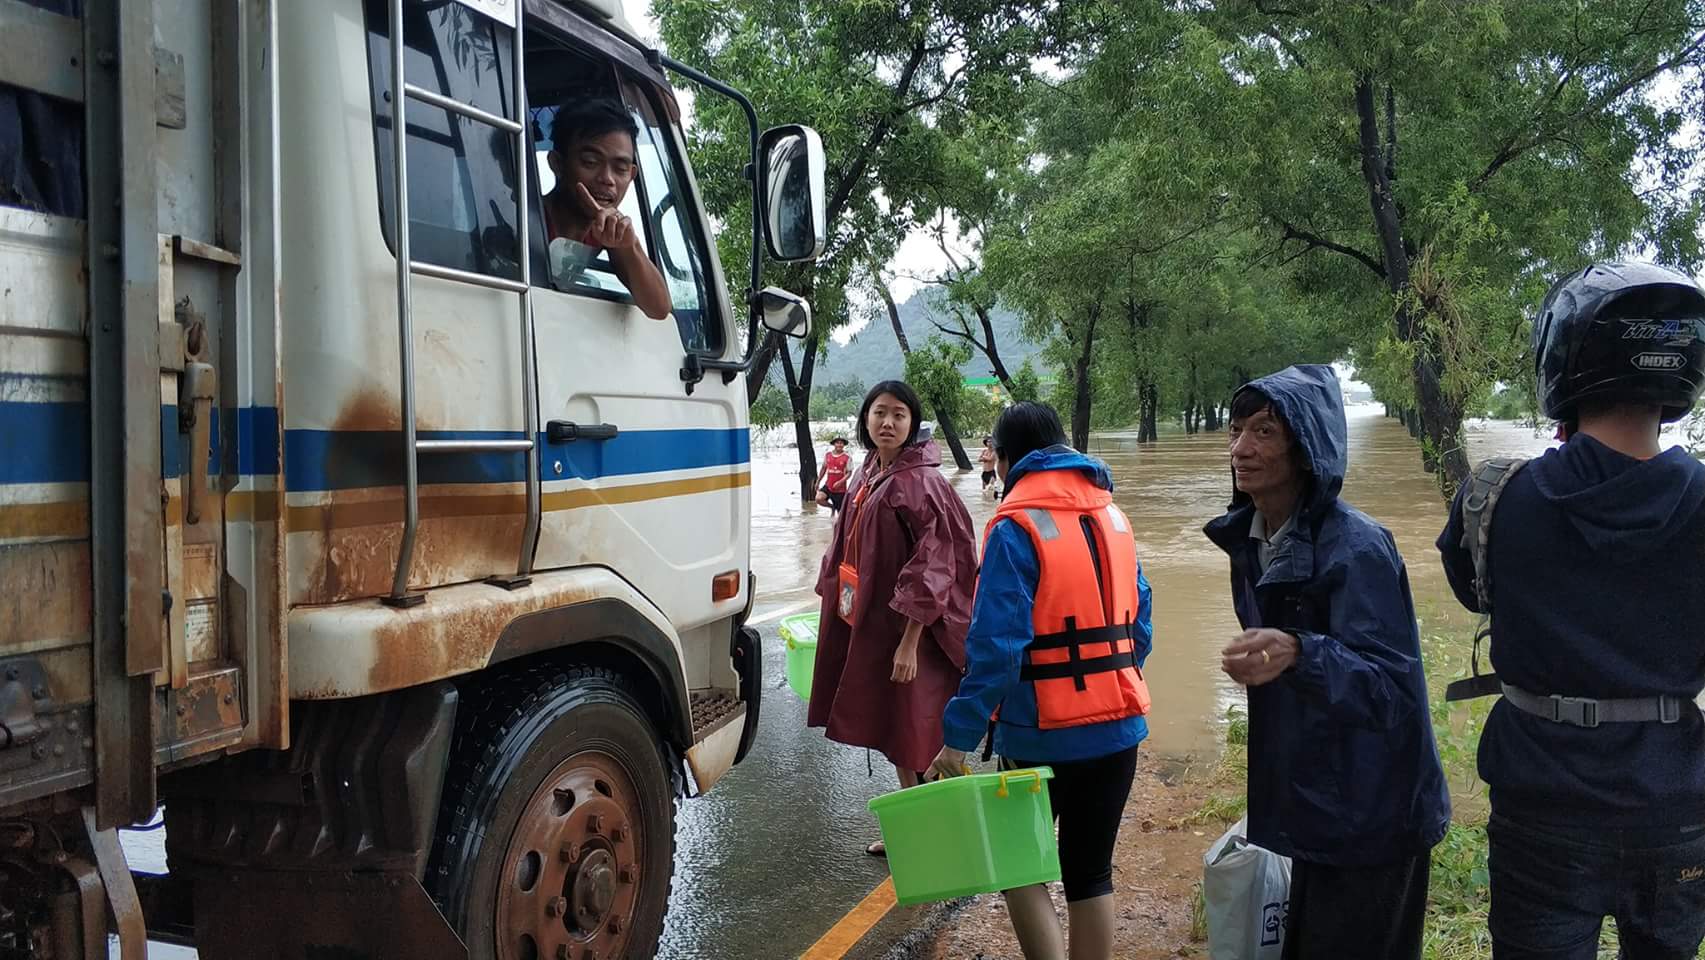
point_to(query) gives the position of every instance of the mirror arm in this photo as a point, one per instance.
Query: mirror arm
(693, 370)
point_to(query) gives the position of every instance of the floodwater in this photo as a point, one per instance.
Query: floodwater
(773, 856)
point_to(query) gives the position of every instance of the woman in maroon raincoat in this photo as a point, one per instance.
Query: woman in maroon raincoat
(896, 585)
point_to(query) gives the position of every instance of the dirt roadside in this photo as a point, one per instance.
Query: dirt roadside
(1156, 867)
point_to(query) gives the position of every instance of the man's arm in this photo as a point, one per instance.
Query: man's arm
(1360, 666)
(643, 280)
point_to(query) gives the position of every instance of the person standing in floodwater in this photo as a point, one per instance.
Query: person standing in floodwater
(1059, 633)
(1344, 775)
(837, 465)
(986, 460)
(896, 586)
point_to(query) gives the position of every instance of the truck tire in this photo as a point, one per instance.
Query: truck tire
(556, 837)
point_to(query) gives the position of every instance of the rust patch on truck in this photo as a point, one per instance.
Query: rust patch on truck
(46, 600)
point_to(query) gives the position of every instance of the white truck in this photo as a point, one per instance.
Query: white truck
(383, 544)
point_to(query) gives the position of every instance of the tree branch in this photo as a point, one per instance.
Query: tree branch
(861, 160)
(1315, 241)
(1514, 147)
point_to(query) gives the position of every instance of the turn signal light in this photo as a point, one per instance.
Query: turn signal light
(725, 586)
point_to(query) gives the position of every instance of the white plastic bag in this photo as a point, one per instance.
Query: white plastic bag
(1248, 894)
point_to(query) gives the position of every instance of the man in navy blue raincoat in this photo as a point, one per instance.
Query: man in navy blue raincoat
(1344, 775)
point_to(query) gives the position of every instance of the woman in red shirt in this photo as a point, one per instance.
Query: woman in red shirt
(837, 466)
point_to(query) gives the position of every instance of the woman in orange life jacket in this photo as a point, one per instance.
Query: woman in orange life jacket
(1059, 632)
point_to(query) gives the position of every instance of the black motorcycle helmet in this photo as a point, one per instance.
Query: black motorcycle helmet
(1623, 332)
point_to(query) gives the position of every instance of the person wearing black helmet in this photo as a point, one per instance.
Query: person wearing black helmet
(1594, 558)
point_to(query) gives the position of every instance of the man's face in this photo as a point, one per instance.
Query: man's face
(840, 447)
(604, 164)
(1261, 453)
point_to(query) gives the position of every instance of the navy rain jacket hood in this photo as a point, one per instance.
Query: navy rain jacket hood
(1343, 769)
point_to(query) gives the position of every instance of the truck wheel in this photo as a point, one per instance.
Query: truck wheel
(556, 836)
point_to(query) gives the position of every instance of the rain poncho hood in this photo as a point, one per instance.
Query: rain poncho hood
(1343, 768)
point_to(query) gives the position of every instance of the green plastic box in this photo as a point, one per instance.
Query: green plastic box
(973, 834)
(799, 632)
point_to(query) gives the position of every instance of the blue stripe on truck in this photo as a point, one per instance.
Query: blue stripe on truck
(48, 442)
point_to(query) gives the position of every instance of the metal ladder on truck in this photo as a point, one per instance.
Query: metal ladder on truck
(414, 447)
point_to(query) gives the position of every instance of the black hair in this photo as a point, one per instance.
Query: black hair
(1249, 401)
(899, 391)
(1024, 428)
(585, 118)
(835, 440)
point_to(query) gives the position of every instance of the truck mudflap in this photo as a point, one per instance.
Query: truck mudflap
(352, 916)
(748, 654)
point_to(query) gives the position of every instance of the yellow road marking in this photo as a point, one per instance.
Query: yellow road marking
(845, 934)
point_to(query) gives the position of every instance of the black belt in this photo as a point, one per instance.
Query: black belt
(1588, 712)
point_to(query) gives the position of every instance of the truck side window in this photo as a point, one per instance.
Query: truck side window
(672, 218)
(461, 173)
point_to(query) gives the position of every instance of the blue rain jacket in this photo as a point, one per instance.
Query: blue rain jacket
(1001, 629)
(1343, 769)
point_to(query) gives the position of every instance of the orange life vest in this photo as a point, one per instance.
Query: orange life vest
(1082, 658)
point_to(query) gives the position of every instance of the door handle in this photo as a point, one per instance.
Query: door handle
(562, 431)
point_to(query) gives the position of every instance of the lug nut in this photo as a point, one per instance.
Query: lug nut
(627, 874)
(615, 924)
(562, 952)
(595, 823)
(555, 906)
(570, 854)
(619, 834)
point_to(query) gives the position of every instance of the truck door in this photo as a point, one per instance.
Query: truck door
(639, 474)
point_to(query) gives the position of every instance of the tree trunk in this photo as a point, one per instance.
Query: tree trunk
(799, 395)
(1440, 417)
(1148, 396)
(991, 349)
(1081, 386)
(942, 418)
(1214, 424)
(761, 365)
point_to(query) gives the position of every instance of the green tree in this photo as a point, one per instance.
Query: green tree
(889, 84)
(1427, 164)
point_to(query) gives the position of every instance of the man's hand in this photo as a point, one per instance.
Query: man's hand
(1259, 656)
(948, 763)
(607, 228)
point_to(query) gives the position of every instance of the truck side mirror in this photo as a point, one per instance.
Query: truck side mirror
(785, 313)
(795, 224)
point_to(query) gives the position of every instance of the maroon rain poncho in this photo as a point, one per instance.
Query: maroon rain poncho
(917, 560)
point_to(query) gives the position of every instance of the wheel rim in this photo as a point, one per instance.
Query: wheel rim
(569, 886)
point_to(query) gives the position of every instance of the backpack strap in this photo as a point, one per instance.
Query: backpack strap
(1479, 502)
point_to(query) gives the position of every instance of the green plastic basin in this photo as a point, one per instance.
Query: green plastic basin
(973, 834)
(799, 632)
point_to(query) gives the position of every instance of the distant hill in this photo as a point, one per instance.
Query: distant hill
(873, 355)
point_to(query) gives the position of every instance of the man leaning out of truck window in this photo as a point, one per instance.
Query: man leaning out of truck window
(594, 154)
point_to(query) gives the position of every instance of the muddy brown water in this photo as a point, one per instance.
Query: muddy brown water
(773, 857)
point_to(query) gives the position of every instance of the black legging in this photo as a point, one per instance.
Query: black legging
(1088, 797)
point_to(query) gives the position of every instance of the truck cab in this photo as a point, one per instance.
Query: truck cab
(369, 514)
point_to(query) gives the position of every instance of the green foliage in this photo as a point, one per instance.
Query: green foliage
(772, 408)
(978, 411)
(933, 371)
(1026, 385)
(837, 401)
